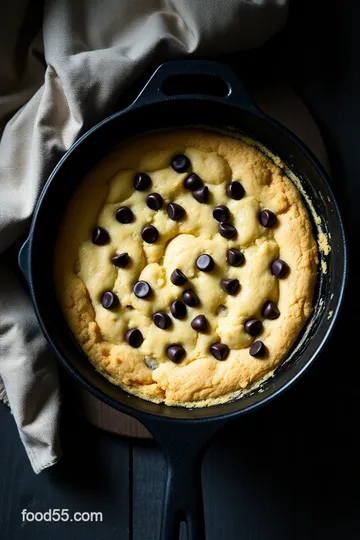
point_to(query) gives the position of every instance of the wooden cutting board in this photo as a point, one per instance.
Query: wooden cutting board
(279, 101)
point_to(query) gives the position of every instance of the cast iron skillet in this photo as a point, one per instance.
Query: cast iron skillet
(182, 93)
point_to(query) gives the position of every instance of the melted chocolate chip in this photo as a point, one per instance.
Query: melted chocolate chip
(190, 298)
(205, 263)
(227, 230)
(270, 310)
(235, 191)
(178, 309)
(230, 286)
(257, 349)
(200, 323)
(221, 213)
(109, 300)
(253, 327)
(193, 181)
(201, 195)
(162, 320)
(124, 214)
(175, 211)
(267, 218)
(142, 289)
(100, 236)
(134, 338)
(142, 181)
(180, 163)
(279, 268)
(154, 201)
(235, 257)
(178, 277)
(150, 234)
(219, 350)
(175, 353)
(120, 260)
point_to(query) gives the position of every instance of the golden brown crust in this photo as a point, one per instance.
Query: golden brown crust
(83, 271)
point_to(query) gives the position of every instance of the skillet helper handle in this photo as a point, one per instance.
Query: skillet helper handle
(184, 444)
(204, 79)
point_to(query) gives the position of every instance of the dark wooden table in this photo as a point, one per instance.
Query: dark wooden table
(288, 472)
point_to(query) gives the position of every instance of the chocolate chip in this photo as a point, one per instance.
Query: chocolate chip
(205, 263)
(120, 260)
(235, 257)
(161, 320)
(257, 349)
(154, 201)
(221, 213)
(235, 191)
(230, 286)
(134, 338)
(279, 268)
(193, 181)
(175, 353)
(109, 300)
(219, 350)
(100, 236)
(150, 234)
(178, 309)
(142, 181)
(178, 277)
(175, 211)
(190, 298)
(227, 230)
(201, 195)
(180, 163)
(253, 327)
(200, 323)
(124, 214)
(142, 289)
(270, 310)
(267, 218)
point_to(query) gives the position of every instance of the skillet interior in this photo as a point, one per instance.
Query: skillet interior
(175, 113)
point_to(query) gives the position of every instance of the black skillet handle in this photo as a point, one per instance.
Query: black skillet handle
(203, 79)
(23, 258)
(183, 444)
(183, 500)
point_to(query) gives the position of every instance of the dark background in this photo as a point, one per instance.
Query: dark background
(290, 471)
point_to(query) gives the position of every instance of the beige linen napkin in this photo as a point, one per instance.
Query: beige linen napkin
(63, 68)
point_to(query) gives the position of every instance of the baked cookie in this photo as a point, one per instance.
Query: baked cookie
(185, 266)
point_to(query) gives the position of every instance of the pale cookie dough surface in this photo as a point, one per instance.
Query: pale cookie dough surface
(83, 271)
